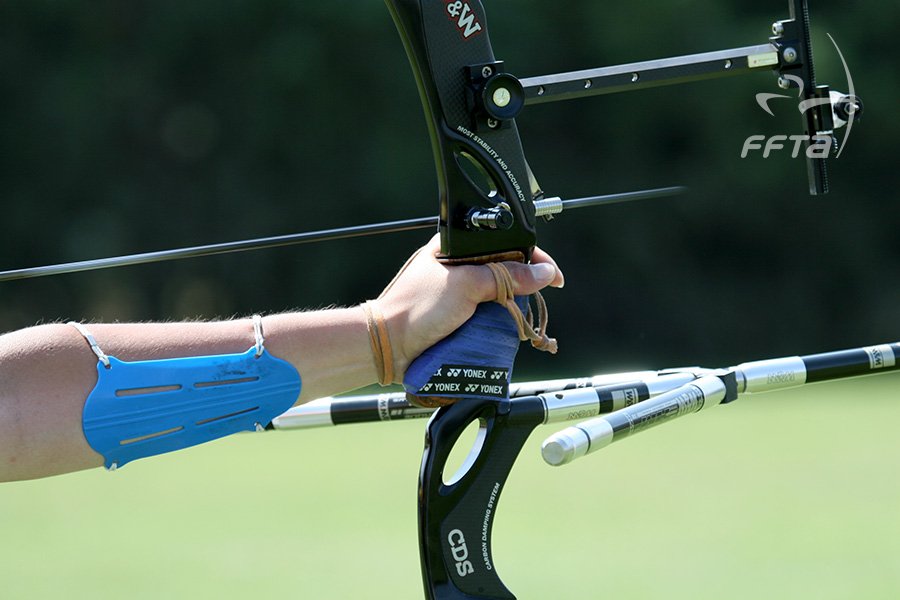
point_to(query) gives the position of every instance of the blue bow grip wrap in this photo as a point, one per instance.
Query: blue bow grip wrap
(474, 362)
(145, 408)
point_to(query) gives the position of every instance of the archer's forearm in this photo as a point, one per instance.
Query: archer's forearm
(47, 373)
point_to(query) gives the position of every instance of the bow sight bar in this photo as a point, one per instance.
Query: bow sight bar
(788, 53)
(488, 195)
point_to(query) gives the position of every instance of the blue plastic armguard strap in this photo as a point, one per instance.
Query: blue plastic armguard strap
(475, 361)
(145, 408)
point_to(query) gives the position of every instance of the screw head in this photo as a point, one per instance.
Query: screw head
(493, 123)
(486, 72)
(777, 28)
(783, 83)
(790, 55)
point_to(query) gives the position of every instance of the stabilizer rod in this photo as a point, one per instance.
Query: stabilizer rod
(717, 388)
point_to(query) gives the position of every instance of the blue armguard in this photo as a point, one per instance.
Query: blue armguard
(144, 408)
(475, 361)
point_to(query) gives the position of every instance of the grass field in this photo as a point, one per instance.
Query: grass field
(789, 495)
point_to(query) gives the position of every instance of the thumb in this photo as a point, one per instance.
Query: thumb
(532, 277)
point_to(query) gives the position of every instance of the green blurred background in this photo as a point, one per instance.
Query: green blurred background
(127, 127)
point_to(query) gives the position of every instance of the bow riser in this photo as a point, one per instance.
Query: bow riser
(480, 164)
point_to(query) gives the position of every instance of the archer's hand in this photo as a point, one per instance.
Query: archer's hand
(428, 300)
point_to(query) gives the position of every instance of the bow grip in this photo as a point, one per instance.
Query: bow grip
(473, 362)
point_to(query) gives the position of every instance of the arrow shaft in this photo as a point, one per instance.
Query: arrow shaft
(293, 239)
(223, 248)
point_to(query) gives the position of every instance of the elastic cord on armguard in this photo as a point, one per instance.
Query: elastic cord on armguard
(145, 408)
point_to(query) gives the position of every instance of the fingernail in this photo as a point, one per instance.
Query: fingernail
(543, 272)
